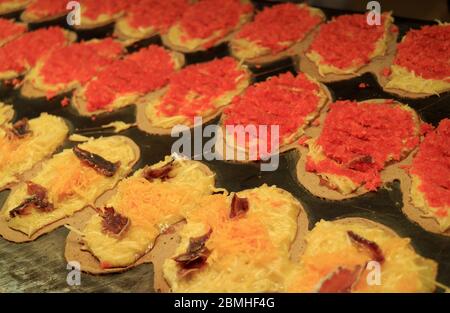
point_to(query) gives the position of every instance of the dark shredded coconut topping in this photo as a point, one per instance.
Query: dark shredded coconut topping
(97, 162)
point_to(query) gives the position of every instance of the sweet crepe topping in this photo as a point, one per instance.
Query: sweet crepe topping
(9, 29)
(239, 206)
(46, 8)
(335, 42)
(285, 100)
(340, 281)
(38, 199)
(363, 243)
(208, 17)
(22, 53)
(162, 173)
(93, 9)
(79, 62)
(20, 128)
(141, 72)
(358, 139)
(156, 13)
(114, 223)
(431, 165)
(426, 52)
(196, 255)
(193, 89)
(97, 162)
(277, 26)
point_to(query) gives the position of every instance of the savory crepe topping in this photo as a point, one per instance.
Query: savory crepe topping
(364, 244)
(20, 128)
(426, 52)
(239, 206)
(341, 280)
(38, 199)
(161, 173)
(97, 162)
(196, 255)
(114, 223)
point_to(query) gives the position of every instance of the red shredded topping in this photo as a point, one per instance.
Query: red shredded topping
(432, 166)
(142, 72)
(79, 61)
(283, 100)
(202, 83)
(206, 17)
(23, 52)
(156, 13)
(426, 52)
(279, 24)
(347, 40)
(92, 9)
(425, 128)
(65, 102)
(359, 138)
(10, 29)
(386, 72)
(47, 8)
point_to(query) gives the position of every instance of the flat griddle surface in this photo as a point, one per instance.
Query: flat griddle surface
(40, 266)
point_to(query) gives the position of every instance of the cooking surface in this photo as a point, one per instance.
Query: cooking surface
(40, 265)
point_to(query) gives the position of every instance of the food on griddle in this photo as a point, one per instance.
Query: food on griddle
(274, 30)
(126, 80)
(9, 6)
(430, 174)
(26, 143)
(72, 180)
(347, 43)
(250, 252)
(146, 18)
(287, 101)
(21, 54)
(422, 61)
(10, 30)
(44, 10)
(6, 113)
(358, 255)
(202, 89)
(96, 13)
(68, 67)
(207, 23)
(358, 140)
(144, 208)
